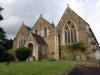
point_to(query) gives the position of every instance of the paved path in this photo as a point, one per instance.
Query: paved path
(82, 70)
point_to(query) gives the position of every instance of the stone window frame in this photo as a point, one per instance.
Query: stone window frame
(22, 39)
(46, 32)
(71, 29)
(37, 31)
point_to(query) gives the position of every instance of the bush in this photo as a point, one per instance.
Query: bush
(11, 56)
(1, 52)
(22, 53)
(5, 56)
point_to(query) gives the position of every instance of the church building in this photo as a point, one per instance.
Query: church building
(44, 39)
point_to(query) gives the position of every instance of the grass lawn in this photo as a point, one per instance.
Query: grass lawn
(35, 68)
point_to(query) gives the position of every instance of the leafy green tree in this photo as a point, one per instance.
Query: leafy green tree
(1, 18)
(3, 41)
(2, 32)
(22, 53)
(5, 44)
(8, 44)
(2, 36)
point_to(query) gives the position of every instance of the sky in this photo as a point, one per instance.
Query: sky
(17, 11)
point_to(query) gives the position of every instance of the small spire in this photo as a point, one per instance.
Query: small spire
(23, 23)
(40, 15)
(68, 5)
(52, 22)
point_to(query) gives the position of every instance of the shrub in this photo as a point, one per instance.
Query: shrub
(22, 53)
(11, 56)
(5, 56)
(1, 52)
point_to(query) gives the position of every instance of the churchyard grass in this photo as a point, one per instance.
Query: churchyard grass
(35, 68)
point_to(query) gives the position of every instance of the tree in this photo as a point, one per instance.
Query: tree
(2, 32)
(3, 41)
(22, 53)
(2, 36)
(1, 18)
(8, 44)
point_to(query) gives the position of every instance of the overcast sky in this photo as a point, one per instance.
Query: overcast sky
(17, 11)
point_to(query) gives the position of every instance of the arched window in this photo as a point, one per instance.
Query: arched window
(70, 33)
(45, 31)
(22, 40)
(36, 31)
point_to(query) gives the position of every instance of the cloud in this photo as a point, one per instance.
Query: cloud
(6, 2)
(17, 11)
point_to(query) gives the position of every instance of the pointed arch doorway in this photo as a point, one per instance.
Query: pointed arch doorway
(31, 48)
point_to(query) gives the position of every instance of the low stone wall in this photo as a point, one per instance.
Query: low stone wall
(87, 63)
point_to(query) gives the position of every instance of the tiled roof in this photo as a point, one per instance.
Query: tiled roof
(39, 39)
(28, 28)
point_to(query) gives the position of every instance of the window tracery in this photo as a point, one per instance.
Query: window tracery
(70, 33)
(22, 40)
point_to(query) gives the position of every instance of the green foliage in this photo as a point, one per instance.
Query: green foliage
(1, 52)
(76, 46)
(2, 36)
(75, 50)
(11, 56)
(1, 18)
(5, 42)
(22, 53)
(5, 56)
(8, 44)
(1, 47)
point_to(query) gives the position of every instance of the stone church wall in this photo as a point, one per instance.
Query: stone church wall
(50, 40)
